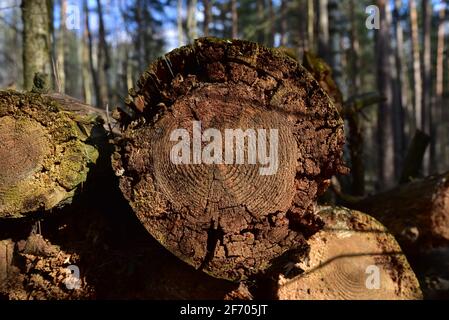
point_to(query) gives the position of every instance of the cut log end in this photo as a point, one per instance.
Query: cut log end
(43, 154)
(229, 218)
(353, 257)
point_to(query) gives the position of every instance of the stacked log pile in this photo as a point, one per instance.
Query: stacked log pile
(219, 223)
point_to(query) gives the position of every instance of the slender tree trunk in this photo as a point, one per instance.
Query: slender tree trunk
(397, 106)
(384, 118)
(439, 90)
(284, 23)
(235, 22)
(271, 30)
(207, 16)
(90, 53)
(403, 78)
(354, 51)
(36, 40)
(427, 80)
(103, 58)
(191, 20)
(179, 23)
(86, 82)
(60, 52)
(310, 25)
(261, 21)
(356, 138)
(417, 80)
(323, 30)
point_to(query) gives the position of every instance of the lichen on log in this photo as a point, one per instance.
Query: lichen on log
(45, 153)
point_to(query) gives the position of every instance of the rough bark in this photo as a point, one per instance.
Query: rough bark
(45, 152)
(339, 260)
(228, 220)
(36, 40)
(417, 213)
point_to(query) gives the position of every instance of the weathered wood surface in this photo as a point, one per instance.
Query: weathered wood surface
(46, 152)
(228, 219)
(354, 257)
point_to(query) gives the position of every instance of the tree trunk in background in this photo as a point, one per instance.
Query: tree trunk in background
(90, 53)
(60, 52)
(310, 26)
(235, 21)
(427, 80)
(191, 20)
(397, 107)
(404, 107)
(179, 23)
(356, 134)
(103, 59)
(207, 16)
(323, 31)
(271, 27)
(384, 85)
(335, 55)
(437, 130)
(354, 51)
(36, 40)
(283, 23)
(261, 21)
(417, 80)
(85, 77)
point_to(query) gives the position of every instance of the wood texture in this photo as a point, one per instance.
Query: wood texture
(228, 220)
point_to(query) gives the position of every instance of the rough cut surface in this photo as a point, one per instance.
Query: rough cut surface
(228, 220)
(341, 261)
(44, 153)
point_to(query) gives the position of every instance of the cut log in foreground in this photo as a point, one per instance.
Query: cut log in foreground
(45, 152)
(417, 213)
(229, 220)
(353, 257)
